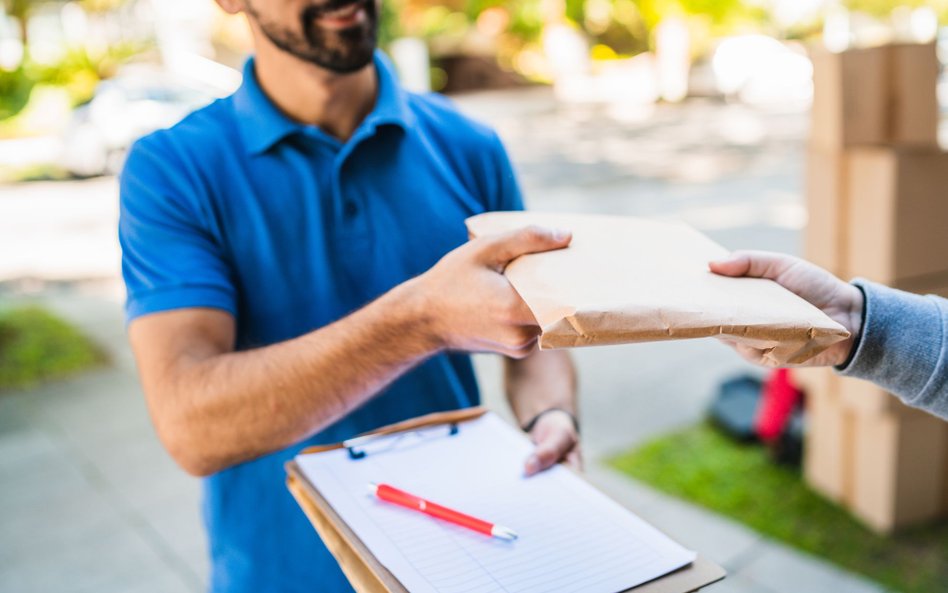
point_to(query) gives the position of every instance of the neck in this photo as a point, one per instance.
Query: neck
(336, 103)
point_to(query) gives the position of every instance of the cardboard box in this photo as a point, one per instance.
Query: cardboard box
(849, 98)
(913, 96)
(864, 397)
(813, 379)
(827, 453)
(876, 96)
(937, 284)
(898, 469)
(825, 236)
(896, 212)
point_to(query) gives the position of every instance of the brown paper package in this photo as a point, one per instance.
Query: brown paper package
(625, 280)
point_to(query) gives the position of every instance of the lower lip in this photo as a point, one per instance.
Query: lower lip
(356, 18)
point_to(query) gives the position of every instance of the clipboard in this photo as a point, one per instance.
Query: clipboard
(364, 571)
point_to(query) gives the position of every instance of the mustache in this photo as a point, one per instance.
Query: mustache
(311, 13)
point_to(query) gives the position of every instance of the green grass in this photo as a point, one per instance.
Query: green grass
(36, 346)
(702, 465)
(34, 172)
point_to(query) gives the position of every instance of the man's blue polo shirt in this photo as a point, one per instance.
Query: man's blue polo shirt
(239, 208)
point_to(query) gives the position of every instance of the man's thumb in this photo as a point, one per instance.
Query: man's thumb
(502, 249)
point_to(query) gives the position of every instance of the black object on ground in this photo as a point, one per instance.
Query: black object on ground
(735, 407)
(788, 448)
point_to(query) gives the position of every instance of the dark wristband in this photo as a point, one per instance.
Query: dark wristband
(862, 331)
(533, 421)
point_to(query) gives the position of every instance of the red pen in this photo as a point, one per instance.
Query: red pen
(410, 501)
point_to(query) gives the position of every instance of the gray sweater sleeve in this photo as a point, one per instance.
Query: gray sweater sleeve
(904, 346)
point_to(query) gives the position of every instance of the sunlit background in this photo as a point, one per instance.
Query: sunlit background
(80, 80)
(692, 110)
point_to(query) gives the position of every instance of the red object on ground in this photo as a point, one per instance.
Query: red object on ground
(780, 397)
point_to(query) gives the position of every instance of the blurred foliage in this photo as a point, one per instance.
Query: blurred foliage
(627, 26)
(34, 172)
(15, 89)
(80, 70)
(883, 8)
(101, 5)
(738, 480)
(37, 346)
(615, 28)
(389, 26)
(18, 9)
(45, 113)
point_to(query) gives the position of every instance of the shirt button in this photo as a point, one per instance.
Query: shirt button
(350, 209)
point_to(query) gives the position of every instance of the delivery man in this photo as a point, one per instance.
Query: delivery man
(297, 274)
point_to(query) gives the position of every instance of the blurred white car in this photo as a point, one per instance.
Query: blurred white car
(124, 108)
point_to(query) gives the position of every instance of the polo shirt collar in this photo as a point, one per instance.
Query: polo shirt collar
(262, 124)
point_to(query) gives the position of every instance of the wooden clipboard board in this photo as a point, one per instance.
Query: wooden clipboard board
(367, 575)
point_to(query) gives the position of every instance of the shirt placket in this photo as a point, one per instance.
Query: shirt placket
(352, 210)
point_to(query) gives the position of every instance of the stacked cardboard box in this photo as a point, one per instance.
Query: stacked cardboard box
(877, 205)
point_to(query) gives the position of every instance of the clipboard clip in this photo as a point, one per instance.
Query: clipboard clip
(371, 444)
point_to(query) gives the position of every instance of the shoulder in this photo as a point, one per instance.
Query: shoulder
(440, 116)
(188, 148)
(472, 150)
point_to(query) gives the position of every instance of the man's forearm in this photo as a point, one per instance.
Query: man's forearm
(236, 406)
(543, 380)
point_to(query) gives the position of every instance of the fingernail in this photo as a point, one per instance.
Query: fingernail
(561, 234)
(532, 465)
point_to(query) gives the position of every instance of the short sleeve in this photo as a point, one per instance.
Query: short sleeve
(506, 192)
(170, 259)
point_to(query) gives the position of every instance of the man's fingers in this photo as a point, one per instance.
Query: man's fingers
(549, 452)
(500, 250)
(748, 353)
(755, 264)
(575, 459)
(520, 352)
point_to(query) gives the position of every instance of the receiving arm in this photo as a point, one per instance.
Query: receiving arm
(904, 346)
(540, 382)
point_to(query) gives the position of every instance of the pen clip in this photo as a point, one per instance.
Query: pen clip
(360, 447)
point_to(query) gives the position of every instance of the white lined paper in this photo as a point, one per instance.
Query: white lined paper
(572, 537)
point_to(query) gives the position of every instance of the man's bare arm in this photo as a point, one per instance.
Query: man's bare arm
(214, 407)
(537, 383)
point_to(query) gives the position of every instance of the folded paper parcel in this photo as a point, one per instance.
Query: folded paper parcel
(625, 280)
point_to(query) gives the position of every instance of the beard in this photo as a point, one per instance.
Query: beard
(342, 51)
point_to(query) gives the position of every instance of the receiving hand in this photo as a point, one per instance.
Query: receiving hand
(556, 440)
(471, 306)
(840, 301)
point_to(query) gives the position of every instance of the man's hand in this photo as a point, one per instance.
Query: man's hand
(556, 439)
(468, 303)
(842, 302)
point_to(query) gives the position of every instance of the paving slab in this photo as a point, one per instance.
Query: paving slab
(786, 570)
